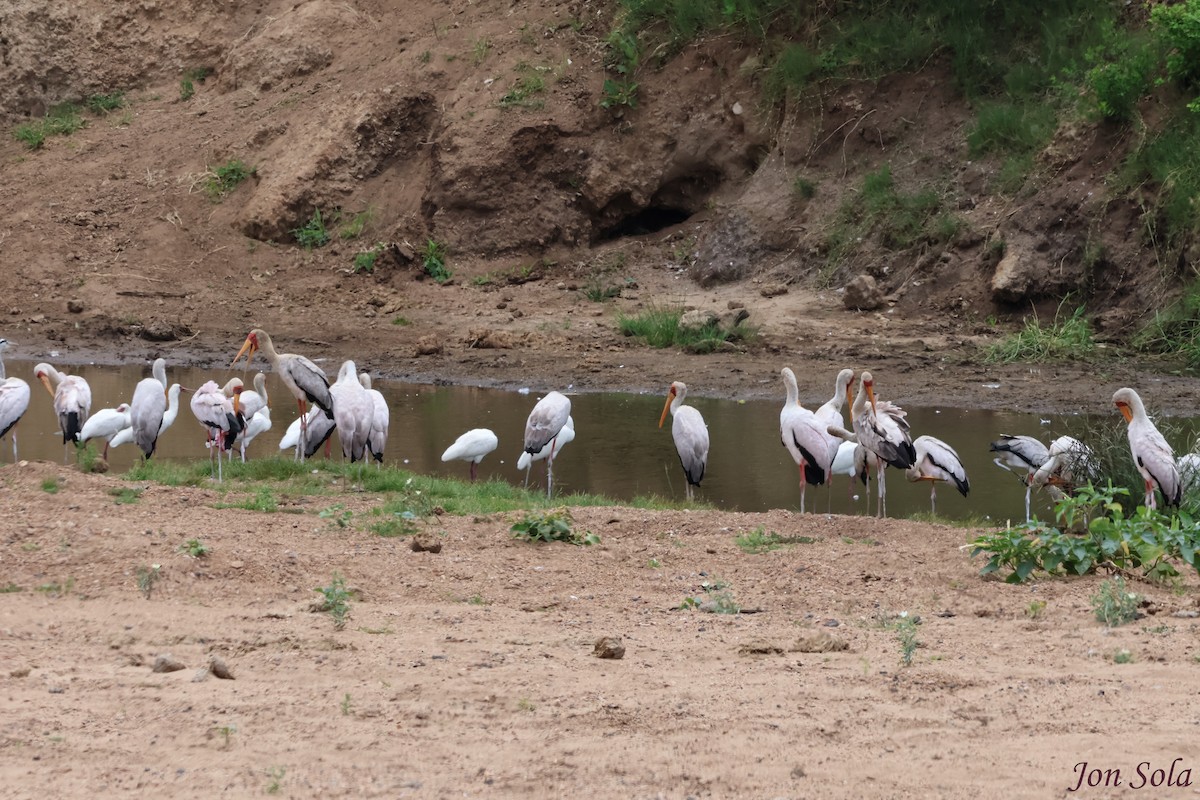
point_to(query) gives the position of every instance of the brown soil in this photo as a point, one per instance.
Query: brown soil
(396, 107)
(470, 671)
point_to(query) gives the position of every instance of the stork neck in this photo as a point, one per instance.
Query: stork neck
(839, 394)
(267, 347)
(260, 386)
(159, 371)
(793, 391)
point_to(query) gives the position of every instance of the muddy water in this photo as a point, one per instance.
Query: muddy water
(619, 451)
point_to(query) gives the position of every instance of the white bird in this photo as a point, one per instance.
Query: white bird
(380, 420)
(472, 446)
(148, 408)
(851, 460)
(565, 436)
(353, 410)
(937, 461)
(126, 434)
(690, 435)
(830, 413)
(881, 427)
(1154, 457)
(1069, 462)
(14, 402)
(1023, 453)
(72, 400)
(105, 424)
(258, 424)
(320, 428)
(215, 412)
(805, 437)
(305, 380)
(545, 422)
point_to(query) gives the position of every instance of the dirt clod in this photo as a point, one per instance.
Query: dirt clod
(218, 667)
(820, 642)
(167, 663)
(425, 544)
(609, 647)
(760, 648)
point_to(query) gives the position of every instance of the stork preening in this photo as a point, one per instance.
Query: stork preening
(126, 434)
(305, 380)
(320, 430)
(1154, 458)
(565, 437)
(805, 436)
(353, 411)
(546, 421)
(254, 408)
(1069, 462)
(881, 427)
(221, 425)
(380, 419)
(937, 462)
(472, 446)
(14, 402)
(148, 409)
(72, 401)
(690, 435)
(1020, 454)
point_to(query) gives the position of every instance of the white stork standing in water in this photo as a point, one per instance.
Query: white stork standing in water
(805, 437)
(249, 405)
(690, 435)
(472, 446)
(126, 434)
(305, 380)
(1023, 453)
(353, 411)
(14, 402)
(1153, 456)
(221, 425)
(72, 401)
(545, 422)
(105, 424)
(851, 461)
(148, 408)
(881, 427)
(380, 419)
(937, 461)
(565, 437)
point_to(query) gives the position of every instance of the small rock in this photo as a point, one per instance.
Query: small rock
(773, 289)
(199, 676)
(218, 667)
(733, 305)
(19, 672)
(697, 319)
(820, 642)
(75, 306)
(166, 663)
(1186, 613)
(429, 345)
(863, 294)
(425, 544)
(609, 647)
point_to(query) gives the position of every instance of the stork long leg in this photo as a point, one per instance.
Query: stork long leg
(14, 438)
(550, 466)
(881, 483)
(302, 444)
(933, 497)
(474, 469)
(803, 485)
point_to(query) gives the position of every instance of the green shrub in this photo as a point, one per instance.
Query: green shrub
(791, 72)
(336, 600)
(551, 526)
(1114, 605)
(224, 178)
(1007, 127)
(365, 261)
(1178, 26)
(62, 120)
(619, 93)
(433, 259)
(188, 81)
(659, 327)
(1119, 84)
(104, 103)
(313, 233)
(1175, 331)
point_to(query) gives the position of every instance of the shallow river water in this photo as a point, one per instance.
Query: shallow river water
(619, 450)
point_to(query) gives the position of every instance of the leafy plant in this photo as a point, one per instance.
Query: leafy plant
(759, 541)
(104, 103)
(337, 601)
(1122, 656)
(353, 228)
(1114, 605)
(194, 548)
(717, 599)
(226, 733)
(62, 120)
(1008, 127)
(1064, 338)
(364, 261)
(346, 705)
(523, 89)
(1178, 26)
(262, 500)
(276, 775)
(619, 93)
(146, 578)
(126, 495)
(906, 634)
(1035, 608)
(51, 485)
(313, 233)
(224, 178)
(338, 515)
(551, 526)
(1175, 330)
(188, 81)
(433, 259)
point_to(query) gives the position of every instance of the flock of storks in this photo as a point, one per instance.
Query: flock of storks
(818, 441)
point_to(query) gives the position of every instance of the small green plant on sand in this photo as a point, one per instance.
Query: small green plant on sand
(346, 705)
(276, 783)
(906, 634)
(194, 548)
(551, 526)
(1114, 605)
(1064, 338)
(759, 541)
(312, 233)
(337, 600)
(1035, 608)
(224, 178)
(188, 81)
(50, 486)
(146, 578)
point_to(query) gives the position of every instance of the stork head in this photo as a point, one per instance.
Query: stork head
(42, 373)
(1126, 400)
(868, 386)
(672, 393)
(237, 399)
(249, 347)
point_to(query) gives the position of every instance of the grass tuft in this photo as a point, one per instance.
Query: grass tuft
(1063, 339)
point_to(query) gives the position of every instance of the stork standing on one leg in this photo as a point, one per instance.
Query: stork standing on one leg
(805, 437)
(305, 380)
(14, 402)
(937, 461)
(690, 434)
